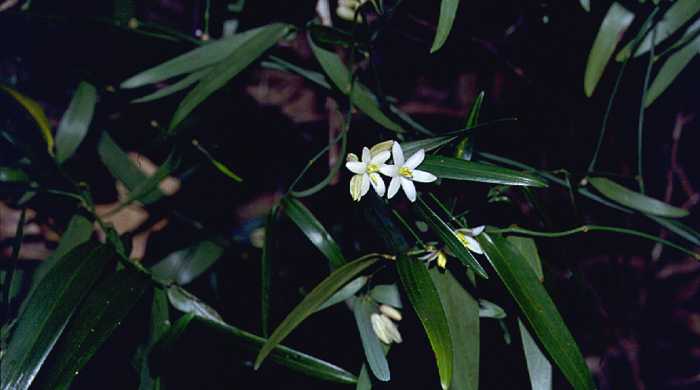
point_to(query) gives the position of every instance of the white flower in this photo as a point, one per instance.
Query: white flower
(467, 238)
(436, 253)
(366, 172)
(405, 173)
(385, 328)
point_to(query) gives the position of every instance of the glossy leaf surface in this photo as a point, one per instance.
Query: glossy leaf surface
(371, 344)
(458, 169)
(635, 200)
(448, 9)
(75, 122)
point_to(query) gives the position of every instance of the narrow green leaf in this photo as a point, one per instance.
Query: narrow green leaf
(586, 4)
(184, 266)
(268, 250)
(362, 97)
(678, 14)
(424, 297)
(184, 301)
(159, 324)
(13, 175)
(199, 58)
(95, 320)
(364, 382)
(677, 227)
(387, 294)
(166, 344)
(312, 228)
(344, 293)
(473, 117)
(543, 316)
(37, 113)
(116, 159)
(237, 60)
(280, 354)
(538, 366)
(448, 236)
(614, 25)
(75, 122)
(334, 36)
(462, 314)
(671, 68)
(49, 308)
(635, 200)
(174, 87)
(452, 168)
(316, 297)
(448, 10)
(371, 344)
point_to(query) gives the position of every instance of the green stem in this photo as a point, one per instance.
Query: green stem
(14, 259)
(587, 228)
(640, 125)
(420, 242)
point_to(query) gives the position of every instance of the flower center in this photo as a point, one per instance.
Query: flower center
(405, 172)
(460, 235)
(372, 168)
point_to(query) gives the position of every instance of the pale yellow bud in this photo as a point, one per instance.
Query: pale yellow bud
(390, 312)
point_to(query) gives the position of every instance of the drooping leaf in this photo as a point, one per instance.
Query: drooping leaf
(75, 122)
(312, 228)
(424, 297)
(671, 68)
(95, 320)
(678, 227)
(462, 314)
(371, 344)
(458, 169)
(221, 73)
(448, 237)
(614, 25)
(362, 97)
(37, 113)
(49, 309)
(538, 307)
(316, 297)
(635, 200)
(448, 10)
(197, 59)
(268, 250)
(678, 14)
(344, 293)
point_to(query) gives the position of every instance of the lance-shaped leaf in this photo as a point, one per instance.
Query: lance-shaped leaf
(462, 314)
(447, 235)
(362, 97)
(635, 200)
(37, 113)
(671, 68)
(49, 309)
(344, 293)
(614, 25)
(98, 316)
(538, 366)
(312, 228)
(224, 71)
(538, 307)
(311, 302)
(174, 87)
(424, 297)
(165, 346)
(75, 122)
(376, 359)
(202, 57)
(448, 10)
(185, 265)
(268, 250)
(459, 169)
(678, 14)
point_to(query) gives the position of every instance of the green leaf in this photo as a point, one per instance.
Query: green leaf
(448, 10)
(197, 59)
(586, 4)
(543, 316)
(364, 382)
(116, 159)
(362, 97)
(671, 68)
(344, 293)
(184, 301)
(174, 87)
(185, 265)
(614, 25)
(452, 168)
(100, 314)
(165, 346)
(678, 227)
(371, 344)
(635, 200)
(268, 250)
(37, 113)
(462, 314)
(280, 354)
(221, 73)
(75, 122)
(49, 309)
(387, 294)
(312, 228)
(13, 175)
(448, 236)
(678, 14)
(311, 302)
(424, 297)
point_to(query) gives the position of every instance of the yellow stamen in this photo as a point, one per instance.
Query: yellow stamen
(405, 172)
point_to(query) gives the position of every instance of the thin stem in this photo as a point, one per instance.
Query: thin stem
(7, 283)
(206, 18)
(640, 125)
(420, 242)
(587, 228)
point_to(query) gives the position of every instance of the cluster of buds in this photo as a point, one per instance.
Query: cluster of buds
(383, 325)
(346, 9)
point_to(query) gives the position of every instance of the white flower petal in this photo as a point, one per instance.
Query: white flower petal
(356, 167)
(423, 176)
(473, 245)
(477, 230)
(390, 329)
(394, 186)
(380, 158)
(365, 184)
(366, 156)
(379, 328)
(377, 183)
(356, 187)
(408, 188)
(397, 152)
(414, 161)
(389, 170)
